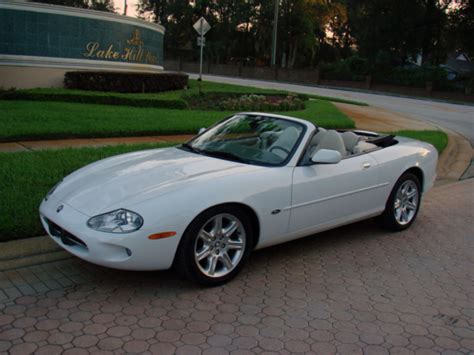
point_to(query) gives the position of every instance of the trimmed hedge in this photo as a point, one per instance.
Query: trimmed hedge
(125, 82)
(92, 99)
(415, 77)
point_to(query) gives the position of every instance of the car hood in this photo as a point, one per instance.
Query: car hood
(120, 181)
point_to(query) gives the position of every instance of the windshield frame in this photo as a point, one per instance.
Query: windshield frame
(251, 162)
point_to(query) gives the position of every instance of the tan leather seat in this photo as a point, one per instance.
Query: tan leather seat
(350, 141)
(286, 140)
(332, 140)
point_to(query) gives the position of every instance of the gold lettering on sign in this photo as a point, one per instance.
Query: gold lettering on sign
(91, 47)
(134, 53)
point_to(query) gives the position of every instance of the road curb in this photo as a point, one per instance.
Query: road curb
(28, 252)
(455, 159)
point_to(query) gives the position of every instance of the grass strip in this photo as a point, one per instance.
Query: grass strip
(335, 99)
(31, 120)
(437, 138)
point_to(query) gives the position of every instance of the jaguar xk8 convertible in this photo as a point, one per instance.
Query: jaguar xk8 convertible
(248, 182)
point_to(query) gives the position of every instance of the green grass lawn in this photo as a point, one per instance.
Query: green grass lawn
(29, 120)
(26, 177)
(437, 138)
(193, 88)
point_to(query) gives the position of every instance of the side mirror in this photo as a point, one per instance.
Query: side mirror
(326, 156)
(201, 130)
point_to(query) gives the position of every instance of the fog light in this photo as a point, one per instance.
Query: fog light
(128, 251)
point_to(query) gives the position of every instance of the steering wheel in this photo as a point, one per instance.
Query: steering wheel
(277, 147)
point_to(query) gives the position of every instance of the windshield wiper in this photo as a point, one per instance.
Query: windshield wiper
(214, 153)
(190, 147)
(225, 155)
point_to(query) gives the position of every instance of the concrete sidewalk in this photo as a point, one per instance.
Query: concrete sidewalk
(88, 142)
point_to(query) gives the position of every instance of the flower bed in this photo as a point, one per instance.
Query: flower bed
(246, 102)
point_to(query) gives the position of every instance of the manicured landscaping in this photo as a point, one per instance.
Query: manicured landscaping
(30, 120)
(246, 102)
(137, 99)
(437, 138)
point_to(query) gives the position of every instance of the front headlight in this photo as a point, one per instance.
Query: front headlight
(118, 221)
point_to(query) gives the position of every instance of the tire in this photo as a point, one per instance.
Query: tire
(393, 218)
(202, 239)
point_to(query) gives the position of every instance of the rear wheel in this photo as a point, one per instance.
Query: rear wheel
(215, 246)
(402, 205)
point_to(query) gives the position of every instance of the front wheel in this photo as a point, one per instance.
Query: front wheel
(402, 205)
(215, 246)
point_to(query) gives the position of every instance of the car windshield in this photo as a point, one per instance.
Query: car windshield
(250, 139)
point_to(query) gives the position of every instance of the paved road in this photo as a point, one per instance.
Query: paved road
(459, 118)
(353, 290)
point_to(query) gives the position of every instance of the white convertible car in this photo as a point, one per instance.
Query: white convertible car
(250, 181)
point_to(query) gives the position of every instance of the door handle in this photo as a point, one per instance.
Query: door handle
(366, 165)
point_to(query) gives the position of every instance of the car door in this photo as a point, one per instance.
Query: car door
(326, 195)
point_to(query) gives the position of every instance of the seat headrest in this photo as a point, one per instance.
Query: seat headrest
(332, 140)
(350, 140)
(286, 140)
(318, 136)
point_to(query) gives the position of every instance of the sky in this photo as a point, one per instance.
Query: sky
(131, 7)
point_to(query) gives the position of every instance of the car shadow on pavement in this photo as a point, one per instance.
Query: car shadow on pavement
(289, 252)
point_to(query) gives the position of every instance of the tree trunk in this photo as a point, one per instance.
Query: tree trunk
(293, 51)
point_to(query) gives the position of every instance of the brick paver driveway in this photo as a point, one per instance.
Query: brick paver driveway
(353, 290)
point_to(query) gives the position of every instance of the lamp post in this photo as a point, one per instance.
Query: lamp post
(275, 32)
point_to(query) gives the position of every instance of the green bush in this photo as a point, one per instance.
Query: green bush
(246, 102)
(125, 82)
(92, 99)
(415, 77)
(354, 68)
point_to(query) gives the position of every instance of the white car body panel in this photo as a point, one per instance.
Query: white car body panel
(169, 187)
(326, 192)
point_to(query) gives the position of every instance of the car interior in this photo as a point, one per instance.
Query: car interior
(347, 143)
(262, 141)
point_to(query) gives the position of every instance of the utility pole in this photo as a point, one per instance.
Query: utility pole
(275, 33)
(125, 7)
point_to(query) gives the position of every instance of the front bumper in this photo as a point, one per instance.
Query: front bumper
(130, 251)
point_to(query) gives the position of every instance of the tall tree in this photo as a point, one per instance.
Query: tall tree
(100, 5)
(175, 15)
(461, 22)
(389, 26)
(433, 28)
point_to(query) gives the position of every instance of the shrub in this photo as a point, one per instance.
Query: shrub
(415, 76)
(246, 102)
(353, 68)
(92, 99)
(125, 82)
